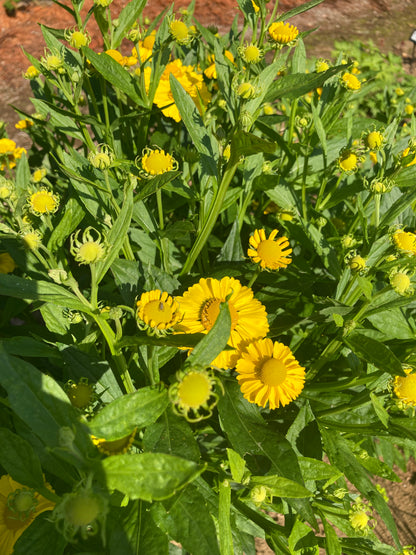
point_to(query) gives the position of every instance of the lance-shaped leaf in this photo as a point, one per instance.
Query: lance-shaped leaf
(149, 476)
(375, 352)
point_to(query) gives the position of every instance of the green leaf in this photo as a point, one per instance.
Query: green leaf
(341, 456)
(19, 460)
(194, 529)
(126, 20)
(237, 465)
(41, 537)
(117, 234)
(27, 347)
(123, 415)
(393, 323)
(133, 531)
(302, 540)
(398, 208)
(154, 184)
(14, 286)
(299, 9)
(282, 487)
(40, 402)
(245, 144)
(313, 469)
(171, 434)
(71, 218)
(115, 74)
(60, 123)
(214, 342)
(249, 433)
(127, 275)
(375, 352)
(149, 476)
(55, 320)
(333, 545)
(379, 409)
(202, 140)
(23, 175)
(224, 519)
(297, 84)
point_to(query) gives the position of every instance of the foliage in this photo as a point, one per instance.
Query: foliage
(207, 279)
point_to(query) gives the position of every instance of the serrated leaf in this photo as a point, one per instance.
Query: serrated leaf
(237, 465)
(149, 476)
(123, 415)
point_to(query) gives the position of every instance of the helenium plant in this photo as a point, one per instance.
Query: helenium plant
(207, 265)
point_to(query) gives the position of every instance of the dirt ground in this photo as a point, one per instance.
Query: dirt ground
(388, 23)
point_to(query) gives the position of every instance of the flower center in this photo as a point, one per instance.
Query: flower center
(90, 252)
(405, 240)
(179, 30)
(348, 162)
(194, 390)
(252, 53)
(19, 509)
(269, 251)
(210, 311)
(157, 162)
(273, 372)
(359, 520)
(406, 388)
(157, 312)
(43, 202)
(374, 140)
(400, 281)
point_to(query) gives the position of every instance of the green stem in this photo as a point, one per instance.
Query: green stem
(377, 210)
(209, 223)
(304, 176)
(94, 286)
(152, 371)
(320, 205)
(255, 276)
(327, 354)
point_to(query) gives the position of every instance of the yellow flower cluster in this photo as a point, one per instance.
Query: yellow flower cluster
(9, 153)
(191, 80)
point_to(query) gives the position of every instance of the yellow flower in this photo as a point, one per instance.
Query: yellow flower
(38, 175)
(211, 70)
(6, 188)
(116, 55)
(32, 239)
(373, 156)
(321, 65)
(399, 91)
(405, 241)
(102, 157)
(351, 82)
(88, 250)
(374, 140)
(116, 446)
(359, 519)
(19, 506)
(409, 109)
(268, 109)
(53, 62)
(7, 264)
(7, 146)
(17, 153)
(31, 73)
(357, 263)
(251, 53)
(405, 153)
(157, 311)
(157, 161)
(255, 6)
(24, 124)
(405, 388)
(283, 33)
(200, 306)
(194, 394)
(43, 202)
(348, 161)
(180, 32)
(268, 372)
(271, 254)
(246, 90)
(400, 282)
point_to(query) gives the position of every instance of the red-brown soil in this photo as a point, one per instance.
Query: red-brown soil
(388, 23)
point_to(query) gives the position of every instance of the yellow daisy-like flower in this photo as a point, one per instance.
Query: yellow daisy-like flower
(357, 263)
(180, 32)
(7, 264)
(374, 140)
(89, 249)
(350, 82)
(405, 153)
(269, 373)
(270, 253)
(24, 124)
(7, 146)
(156, 161)
(31, 73)
(400, 282)
(43, 202)
(321, 65)
(283, 33)
(39, 174)
(32, 239)
(77, 39)
(80, 394)
(405, 241)
(211, 70)
(409, 109)
(359, 520)
(194, 394)
(157, 311)
(116, 446)
(251, 53)
(19, 506)
(255, 6)
(405, 388)
(348, 161)
(200, 307)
